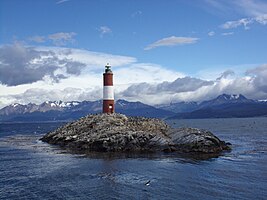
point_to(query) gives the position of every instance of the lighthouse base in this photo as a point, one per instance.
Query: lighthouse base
(108, 106)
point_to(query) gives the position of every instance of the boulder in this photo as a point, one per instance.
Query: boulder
(196, 140)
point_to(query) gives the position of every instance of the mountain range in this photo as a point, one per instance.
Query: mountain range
(223, 106)
(67, 111)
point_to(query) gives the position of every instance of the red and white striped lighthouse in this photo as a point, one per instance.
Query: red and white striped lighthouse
(108, 91)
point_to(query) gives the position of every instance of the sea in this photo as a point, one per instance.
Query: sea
(31, 169)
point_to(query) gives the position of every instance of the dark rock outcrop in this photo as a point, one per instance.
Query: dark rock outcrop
(118, 133)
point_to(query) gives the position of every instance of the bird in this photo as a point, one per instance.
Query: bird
(147, 183)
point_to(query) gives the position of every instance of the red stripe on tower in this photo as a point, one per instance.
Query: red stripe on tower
(108, 91)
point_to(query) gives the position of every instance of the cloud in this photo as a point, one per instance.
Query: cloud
(261, 70)
(37, 74)
(61, 1)
(226, 73)
(249, 8)
(15, 68)
(234, 24)
(61, 39)
(172, 41)
(253, 85)
(92, 60)
(136, 13)
(260, 19)
(254, 11)
(148, 72)
(104, 30)
(68, 94)
(24, 65)
(37, 38)
(40, 95)
(211, 33)
(259, 77)
(58, 39)
(193, 89)
(227, 33)
(179, 85)
(87, 86)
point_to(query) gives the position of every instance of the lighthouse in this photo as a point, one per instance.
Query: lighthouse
(108, 91)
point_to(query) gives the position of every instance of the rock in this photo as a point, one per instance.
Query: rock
(197, 140)
(118, 133)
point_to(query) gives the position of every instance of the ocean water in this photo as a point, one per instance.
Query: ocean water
(30, 169)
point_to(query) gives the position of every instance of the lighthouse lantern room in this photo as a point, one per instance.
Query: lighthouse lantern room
(108, 90)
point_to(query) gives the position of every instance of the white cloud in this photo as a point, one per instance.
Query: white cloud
(61, 1)
(37, 38)
(215, 4)
(58, 39)
(16, 68)
(68, 94)
(136, 13)
(93, 60)
(35, 75)
(262, 19)
(211, 33)
(234, 24)
(180, 85)
(144, 72)
(227, 33)
(50, 70)
(62, 38)
(252, 85)
(226, 74)
(88, 86)
(25, 65)
(104, 30)
(259, 75)
(192, 89)
(172, 41)
(250, 8)
(254, 11)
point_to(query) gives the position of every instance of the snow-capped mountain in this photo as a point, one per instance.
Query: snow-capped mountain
(263, 101)
(61, 104)
(59, 110)
(225, 106)
(226, 99)
(31, 107)
(18, 108)
(56, 105)
(223, 99)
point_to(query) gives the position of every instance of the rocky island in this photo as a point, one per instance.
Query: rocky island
(119, 133)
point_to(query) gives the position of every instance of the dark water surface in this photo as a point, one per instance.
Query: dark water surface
(30, 169)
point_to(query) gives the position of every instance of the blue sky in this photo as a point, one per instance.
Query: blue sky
(146, 41)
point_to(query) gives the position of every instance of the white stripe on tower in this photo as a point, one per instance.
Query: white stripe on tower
(108, 93)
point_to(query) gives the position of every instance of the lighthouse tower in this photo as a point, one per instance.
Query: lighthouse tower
(108, 91)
